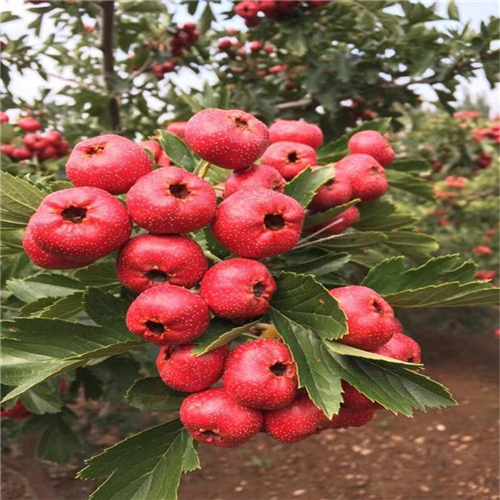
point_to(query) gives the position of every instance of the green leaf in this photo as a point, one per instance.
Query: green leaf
(408, 165)
(417, 246)
(304, 186)
(147, 465)
(99, 274)
(318, 266)
(177, 150)
(328, 215)
(106, 310)
(410, 184)
(382, 215)
(58, 442)
(151, 394)
(220, 332)
(453, 11)
(354, 240)
(206, 19)
(303, 301)
(42, 399)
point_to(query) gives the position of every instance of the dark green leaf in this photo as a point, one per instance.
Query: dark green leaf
(304, 186)
(328, 215)
(177, 151)
(410, 183)
(58, 442)
(151, 394)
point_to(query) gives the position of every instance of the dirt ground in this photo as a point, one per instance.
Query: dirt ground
(442, 455)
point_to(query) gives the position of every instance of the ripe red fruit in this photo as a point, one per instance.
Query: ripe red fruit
(296, 131)
(83, 224)
(255, 46)
(109, 162)
(18, 412)
(53, 137)
(255, 176)
(7, 149)
(29, 124)
(216, 134)
(22, 153)
(4, 118)
(336, 191)
(177, 128)
(247, 9)
(339, 223)
(401, 347)
(261, 374)
(373, 143)
(257, 223)
(48, 152)
(367, 176)
(148, 260)
(44, 259)
(355, 400)
(289, 158)
(370, 319)
(168, 315)
(164, 161)
(171, 200)
(180, 369)
(238, 289)
(213, 417)
(153, 146)
(294, 422)
(347, 418)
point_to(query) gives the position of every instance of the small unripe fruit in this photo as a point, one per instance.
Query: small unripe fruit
(213, 417)
(372, 143)
(367, 176)
(289, 158)
(168, 315)
(29, 124)
(238, 289)
(257, 223)
(149, 260)
(261, 374)
(339, 223)
(370, 319)
(180, 369)
(227, 138)
(255, 176)
(294, 422)
(109, 162)
(171, 200)
(336, 191)
(296, 131)
(401, 347)
(83, 224)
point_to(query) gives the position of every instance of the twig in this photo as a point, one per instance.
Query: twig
(334, 223)
(331, 237)
(203, 169)
(301, 103)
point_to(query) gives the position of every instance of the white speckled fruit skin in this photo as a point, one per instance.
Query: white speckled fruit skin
(277, 156)
(215, 136)
(185, 372)
(347, 417)
(262, 176)
(401, 347)
(214, 410)
(183, 314)
(228, 289)
(105, 228)
(153, 207)
(372, 143)
(239, 223)
(368, 181)
(249, 380)
(115, 169)
(370, 319)
(179, 257)
(296, 131)
(333, 193)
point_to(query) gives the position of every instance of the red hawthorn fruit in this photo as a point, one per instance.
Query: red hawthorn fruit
(53, 136)
(238, 289)
(7, 149)
(168, 315)
(255, 46)
(109, 162)
(269, 49)
(29, 124)
(81, 224)
(171, 200)
(278, 68)
(4, 118)
(41, 258)
(177, 128)
(261, 374)
(336, 191)
(372, 143)
(401, 347)
(339, 223)
(257, 223)
(296, 131)
(153, 146)
(483, 250)
(17, 412)
(367, 176)
(180, 369)
(294, 422)
(347, 418)
(256, 176)
(213, 417)
(355, 400)
(215, 135)
(32, 140)
(247, 9)
(314, 4)
(164, 161)
(148, 260)
(47, 152)
(289, 158)
(225, 44)
(370, 319)
(20, 154)
(486, 275)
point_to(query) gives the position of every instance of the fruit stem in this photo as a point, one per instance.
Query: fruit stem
(211, 256)
(203, 168)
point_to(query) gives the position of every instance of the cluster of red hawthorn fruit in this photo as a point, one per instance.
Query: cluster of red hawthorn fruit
(51, 145)
(178, 293)
(278, 10)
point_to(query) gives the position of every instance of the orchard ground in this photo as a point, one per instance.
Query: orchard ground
(439, 455)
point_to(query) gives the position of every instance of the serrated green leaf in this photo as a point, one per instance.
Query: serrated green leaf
(328, 215)
(99, 274)
(304, 186)
(408, 165)
(58, 442)
(319, 266)
(42, 399)
(354, 240)
(177, 150)
(382, 215)
(410, 184)
(151, 394)
(417, 246)
(106, 310)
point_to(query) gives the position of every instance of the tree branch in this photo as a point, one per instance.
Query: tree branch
(301, 103)
(107, 34)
